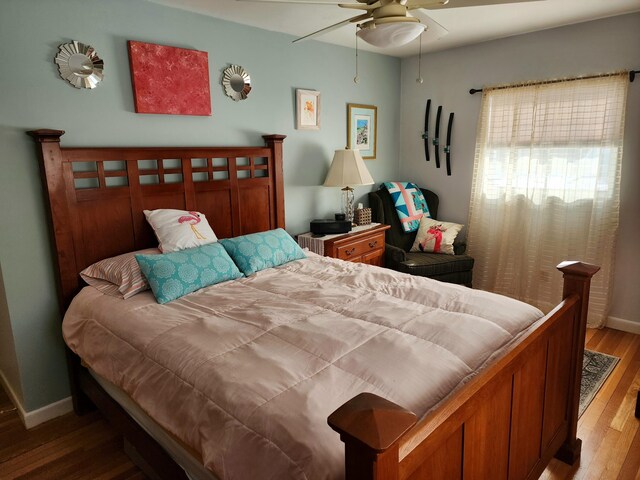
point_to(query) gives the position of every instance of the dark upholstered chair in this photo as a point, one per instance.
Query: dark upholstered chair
(446, 268)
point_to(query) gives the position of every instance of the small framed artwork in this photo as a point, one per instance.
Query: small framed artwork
(362, 129)
(307, 109)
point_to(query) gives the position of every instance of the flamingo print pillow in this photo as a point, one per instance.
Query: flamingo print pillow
(436, 236)
(179, 229)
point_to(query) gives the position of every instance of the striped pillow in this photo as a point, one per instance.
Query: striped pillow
(118, 276)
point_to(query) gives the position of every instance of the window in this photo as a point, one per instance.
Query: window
(546, 186)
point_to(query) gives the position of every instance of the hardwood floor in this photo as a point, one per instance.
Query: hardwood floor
(609, 431)
(68, 447)
(88, 448)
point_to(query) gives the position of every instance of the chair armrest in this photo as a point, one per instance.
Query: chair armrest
(394, 253)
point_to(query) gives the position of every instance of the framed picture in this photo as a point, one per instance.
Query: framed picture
(362, 129)
(307, 109)
(169, 80)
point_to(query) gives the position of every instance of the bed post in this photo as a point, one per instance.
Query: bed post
(50, 157)
(577, 281)
(370, 427)
(274, 142)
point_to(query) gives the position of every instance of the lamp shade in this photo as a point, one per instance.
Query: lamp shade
(348, 169)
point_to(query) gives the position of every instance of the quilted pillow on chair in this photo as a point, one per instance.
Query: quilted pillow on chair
(409, 202)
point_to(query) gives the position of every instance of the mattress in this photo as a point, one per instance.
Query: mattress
(246, 372)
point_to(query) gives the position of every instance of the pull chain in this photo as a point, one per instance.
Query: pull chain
(356, 79)
(420, 79)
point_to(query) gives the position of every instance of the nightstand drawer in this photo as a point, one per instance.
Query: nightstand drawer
(363, 244)
(358, 248)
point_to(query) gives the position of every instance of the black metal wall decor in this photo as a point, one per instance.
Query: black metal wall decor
(425, 134)
(447, 147)
(436, 138)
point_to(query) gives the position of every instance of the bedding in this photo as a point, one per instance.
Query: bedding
(179, 229)
(246, 372)
(257, 251)
(175, 274)
(118, 276)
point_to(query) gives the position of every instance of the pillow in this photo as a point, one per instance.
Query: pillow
(118, 276)
(435, 236)
(179, 229)
(257, 251)
(175, 274)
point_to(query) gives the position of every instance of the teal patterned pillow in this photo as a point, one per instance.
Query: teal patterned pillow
(258, 251)
(172, 275)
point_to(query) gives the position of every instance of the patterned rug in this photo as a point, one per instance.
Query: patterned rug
(596, 367)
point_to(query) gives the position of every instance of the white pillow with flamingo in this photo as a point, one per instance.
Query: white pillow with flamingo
(435, 236)
(179, 229)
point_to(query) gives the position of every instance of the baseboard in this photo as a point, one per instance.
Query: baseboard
(41, 415)
(48, 412)
(624, 325)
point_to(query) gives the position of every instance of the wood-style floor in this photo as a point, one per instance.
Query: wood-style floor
(609, 431)
(87, 448)
(68, 447)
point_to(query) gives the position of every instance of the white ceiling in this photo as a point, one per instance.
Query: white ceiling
(465, 25)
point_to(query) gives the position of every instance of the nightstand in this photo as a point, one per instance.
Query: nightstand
(364, 244)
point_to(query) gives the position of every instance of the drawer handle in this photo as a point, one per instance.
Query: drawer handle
(349, 252)
(373, 244)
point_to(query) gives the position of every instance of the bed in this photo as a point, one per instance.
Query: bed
(505, 418)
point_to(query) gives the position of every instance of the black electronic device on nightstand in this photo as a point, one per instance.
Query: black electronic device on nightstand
(328, 226)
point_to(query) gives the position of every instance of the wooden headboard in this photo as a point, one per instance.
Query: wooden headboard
(96, 195)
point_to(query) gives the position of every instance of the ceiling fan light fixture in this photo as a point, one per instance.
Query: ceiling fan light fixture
(391, 34)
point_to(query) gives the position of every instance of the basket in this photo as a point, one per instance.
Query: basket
(362, 216)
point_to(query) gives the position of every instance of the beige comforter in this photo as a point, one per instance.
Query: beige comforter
(246, 372)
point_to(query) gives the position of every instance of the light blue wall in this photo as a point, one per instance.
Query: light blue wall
(33, 96)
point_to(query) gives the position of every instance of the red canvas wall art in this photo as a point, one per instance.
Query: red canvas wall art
(169, 80)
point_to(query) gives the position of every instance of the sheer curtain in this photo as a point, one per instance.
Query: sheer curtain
(546, 187)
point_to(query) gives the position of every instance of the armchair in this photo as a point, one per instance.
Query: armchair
(446, 268)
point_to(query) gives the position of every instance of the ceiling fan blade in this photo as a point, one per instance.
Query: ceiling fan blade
(334, 26)
(431, 5)
(361, 6)
(413, 4)
(433, 30)
(302, 2)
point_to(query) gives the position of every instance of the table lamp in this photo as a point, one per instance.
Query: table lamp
(348, 170)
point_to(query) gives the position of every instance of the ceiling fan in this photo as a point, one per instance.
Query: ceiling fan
(389, 23)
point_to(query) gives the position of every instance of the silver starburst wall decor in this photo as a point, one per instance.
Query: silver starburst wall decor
(80, 65)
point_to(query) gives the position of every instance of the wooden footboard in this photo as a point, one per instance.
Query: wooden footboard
(507, 423)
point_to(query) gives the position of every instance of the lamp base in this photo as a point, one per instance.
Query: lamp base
(348, 198)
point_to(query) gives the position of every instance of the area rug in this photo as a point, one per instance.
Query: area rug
(596, 367)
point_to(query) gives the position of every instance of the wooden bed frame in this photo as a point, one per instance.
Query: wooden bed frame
(506, 423)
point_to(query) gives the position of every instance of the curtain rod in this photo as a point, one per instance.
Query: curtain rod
(632, 77)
